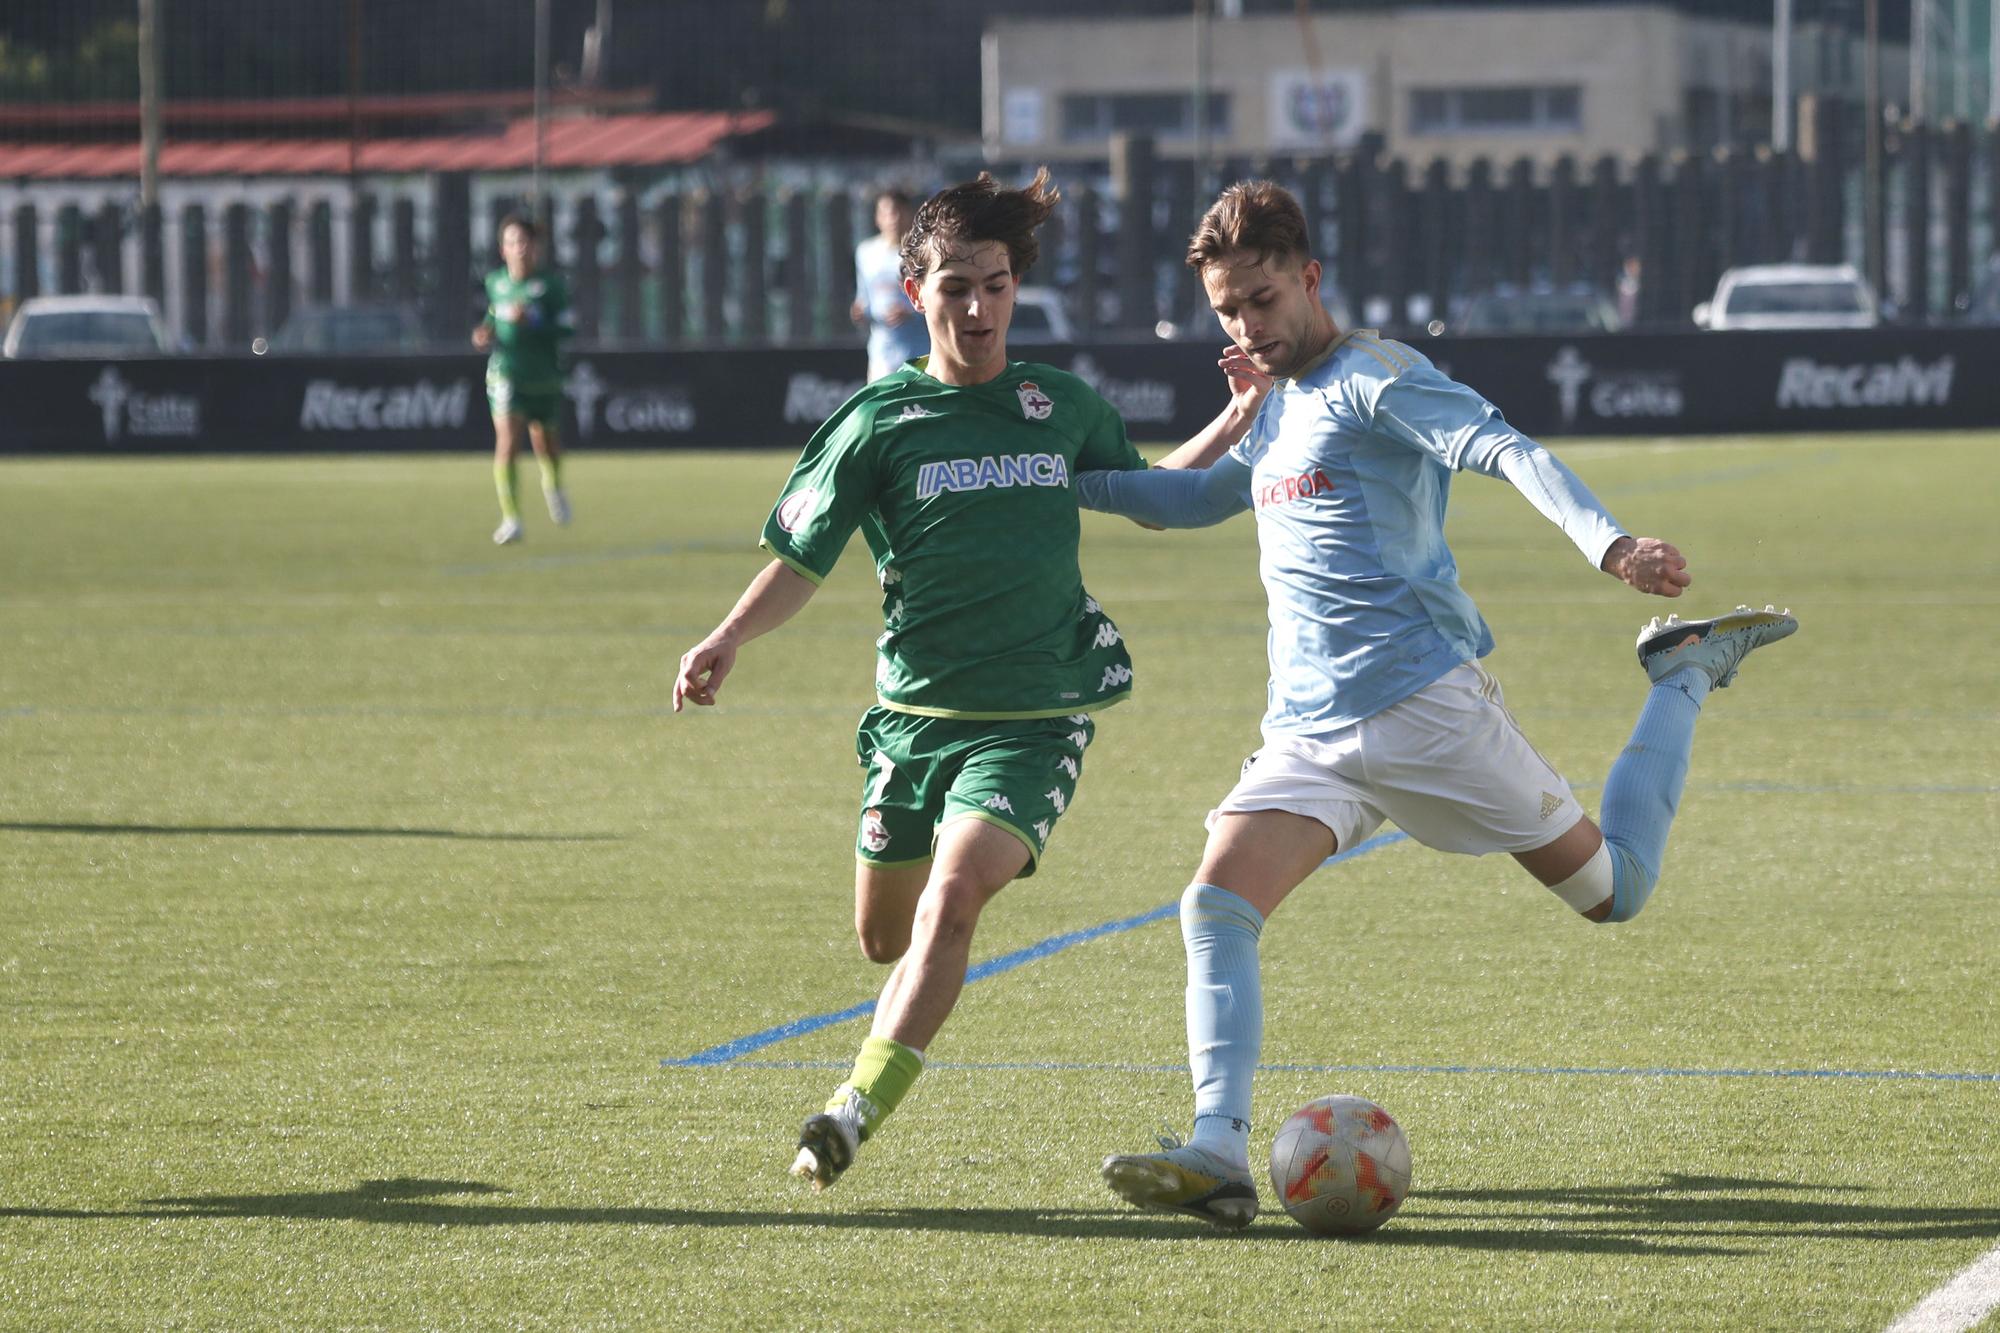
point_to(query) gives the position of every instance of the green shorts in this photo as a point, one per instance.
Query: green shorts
(924, 772)
(544, 408)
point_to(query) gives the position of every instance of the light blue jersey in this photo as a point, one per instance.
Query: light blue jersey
(878, 290)
(1348, 468)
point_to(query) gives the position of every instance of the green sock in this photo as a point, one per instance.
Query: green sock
(883, 1074)
(503, 481)
(551, 472)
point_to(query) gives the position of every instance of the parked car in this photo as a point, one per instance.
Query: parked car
(1039, 317)
(1791, 296)
(87, 326)
(1535, 310)
(359, 329)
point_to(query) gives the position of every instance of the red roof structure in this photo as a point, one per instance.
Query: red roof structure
(572, 143)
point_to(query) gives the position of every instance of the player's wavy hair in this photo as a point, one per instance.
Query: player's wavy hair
(959, 217)
(1260, 217)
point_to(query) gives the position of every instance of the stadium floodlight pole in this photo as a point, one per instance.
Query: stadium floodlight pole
(149, 103)
(541, 103)
(1781, 77)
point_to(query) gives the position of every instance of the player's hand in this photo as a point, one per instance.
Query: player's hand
(482, 337)
(1247, 384)
(1648, 564)
(703, 669)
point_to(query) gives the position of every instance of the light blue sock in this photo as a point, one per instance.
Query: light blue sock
(1644, 788)
(1225, 1016)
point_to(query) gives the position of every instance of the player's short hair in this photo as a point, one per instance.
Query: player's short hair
(521, 220)
(974, 212)
(1261, 217)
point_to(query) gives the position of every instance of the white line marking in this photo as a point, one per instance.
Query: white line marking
(1959, 1303)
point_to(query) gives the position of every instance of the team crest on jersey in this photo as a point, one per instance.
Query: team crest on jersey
(874, 833)
(798, 509)
(1035, 405)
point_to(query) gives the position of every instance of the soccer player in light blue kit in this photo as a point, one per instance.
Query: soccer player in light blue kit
(896, 332)
(1378, 707)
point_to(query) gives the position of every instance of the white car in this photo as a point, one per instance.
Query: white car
(1791, 296)
(87, 326)
(1039, 318)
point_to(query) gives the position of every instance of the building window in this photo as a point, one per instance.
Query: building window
(1089, 117)
(1554, 109)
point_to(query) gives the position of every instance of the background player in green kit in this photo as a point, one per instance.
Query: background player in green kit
(527, 317)
(957, 470)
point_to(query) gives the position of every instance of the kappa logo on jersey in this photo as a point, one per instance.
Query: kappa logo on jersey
(1035, 405)
(1000, 803)
(1055, 798)
(1107, 634)
(915, 412)
(1305, 484)
(798, 509)
(978, 474)
(874, 833)
(1116, 675)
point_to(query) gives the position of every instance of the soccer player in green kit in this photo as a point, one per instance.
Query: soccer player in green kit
(956, 468)
(527, 317)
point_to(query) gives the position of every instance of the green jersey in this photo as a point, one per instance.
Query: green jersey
(963, 495)
(529, 319)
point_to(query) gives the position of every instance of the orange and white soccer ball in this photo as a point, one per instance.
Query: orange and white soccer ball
(1341, 1165)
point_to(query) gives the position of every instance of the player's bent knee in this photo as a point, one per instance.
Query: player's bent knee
(1632, 883)
(883, 946)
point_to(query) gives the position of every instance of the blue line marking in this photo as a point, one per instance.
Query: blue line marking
(729, 1051)
(1540, 1071)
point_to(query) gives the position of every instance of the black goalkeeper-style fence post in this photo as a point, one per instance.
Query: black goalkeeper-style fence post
(711, 207)
(1563, 218)
(755, 296)
(452, 296)
(1088, 239)
(27, 252)
(403, 283)
(1689, 251)
(107, 246)
(1516, 208)
(278, 285)
(629, 273)
(670, 273)
(1957, 153)
(1132, 163)
(1397, 214)
(319, 244)
(586, 285)
(361, 248)
(194, 275)
(1479, 226)
(836, 286)
(1649, 239)
(1826, 198)
(236, 277)
(1602, 256)
(152, 255)
(796, 211)
(1917, 223)
(69, 250)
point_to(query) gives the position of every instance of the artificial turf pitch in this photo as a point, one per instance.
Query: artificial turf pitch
(356, 881)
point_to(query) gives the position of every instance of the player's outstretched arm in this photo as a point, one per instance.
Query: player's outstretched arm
(1648, 564)
(1248, 387)
(1183, 498)
(773, 597)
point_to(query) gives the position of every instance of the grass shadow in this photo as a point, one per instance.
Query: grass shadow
(1681, 1215)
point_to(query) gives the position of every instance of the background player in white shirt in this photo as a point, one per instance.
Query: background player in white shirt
(896, 331)
(1378, 707)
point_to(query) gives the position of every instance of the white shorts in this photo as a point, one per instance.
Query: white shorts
(1448, 764)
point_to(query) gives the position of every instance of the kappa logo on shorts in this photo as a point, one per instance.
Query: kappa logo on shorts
(1107, 634)
(1055, 798)
(1035, 405)
(1042, 830)
(1115, 675)
(1550, 804)
(874, 834)
(1069, 766)
(1000, 803)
